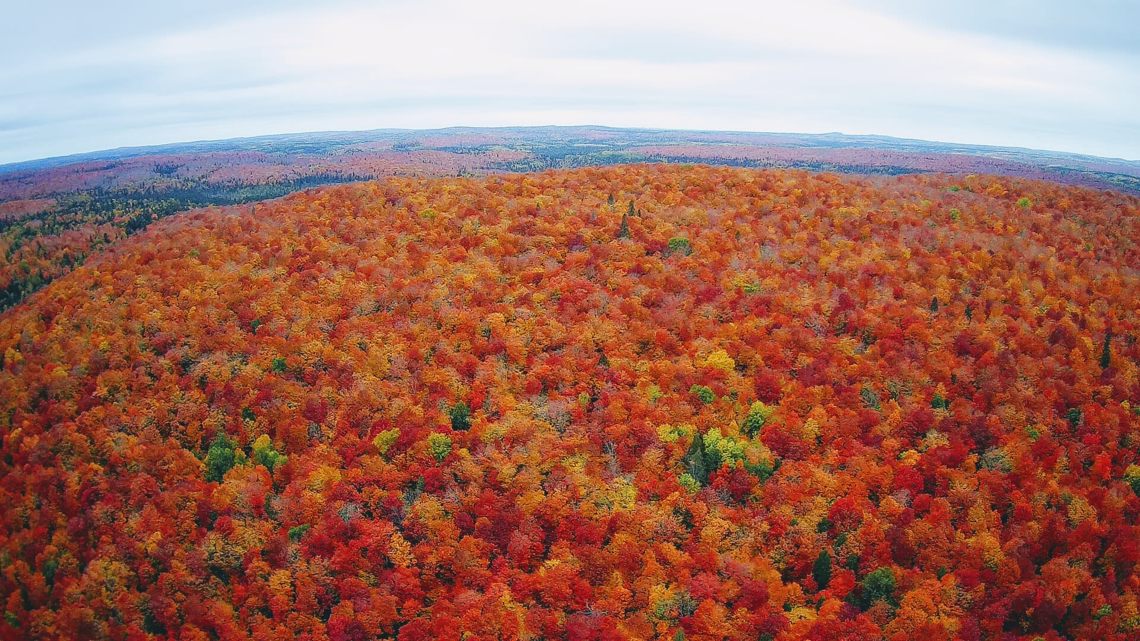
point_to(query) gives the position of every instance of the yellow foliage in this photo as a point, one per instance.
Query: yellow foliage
(384, 440)
(400, 551)
(720, 360)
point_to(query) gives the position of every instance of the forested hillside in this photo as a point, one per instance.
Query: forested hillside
(638, 402)
(58, 212)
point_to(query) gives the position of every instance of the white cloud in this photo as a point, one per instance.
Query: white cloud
(814, 65)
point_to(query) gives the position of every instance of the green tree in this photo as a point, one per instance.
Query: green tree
(697, 460)
(758, 415)
(879, 585)
(460, 416)
(821, 569)
(439, 445)
(680, 245)
(265, 454)
(704, 393)
(1106, 351)
(870, 398)
(220, 458)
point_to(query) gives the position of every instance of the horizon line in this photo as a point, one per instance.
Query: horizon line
(142, 150)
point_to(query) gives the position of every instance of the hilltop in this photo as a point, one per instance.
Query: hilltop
(55, 213)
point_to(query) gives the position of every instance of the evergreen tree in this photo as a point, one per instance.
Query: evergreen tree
(821, 569)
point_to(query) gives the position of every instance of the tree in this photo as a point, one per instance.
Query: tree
(821, 569)
(698, 462)
(878, 586)
(623, 231)
(439, 445)
(220, 458)
(680, 245)
(460, 416)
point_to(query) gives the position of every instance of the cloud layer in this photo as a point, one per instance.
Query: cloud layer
(79, 79)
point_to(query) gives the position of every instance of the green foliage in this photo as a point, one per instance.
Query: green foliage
(265, 454)
(632, 211)
(995, 458)
(821, 569)
(1106, 351)
(680, 245)
(934, 305)
(220, 458)
(1024, 202)
(1132, 477)
(295, 533)
(460, 416)
(697, 461)
(1074, 416)
(710, 451)
(439, 445)
(677, 607)
(704, 393)
(671, 433)
(51, 566)
(278, 366)
(722, 450)
(623, 231)
(750, 288)
(687, 481)
(758, 415)
(939, 402)
(763, 469)
(870, 398)
(385, 439)
(654, 394)
(879, 585)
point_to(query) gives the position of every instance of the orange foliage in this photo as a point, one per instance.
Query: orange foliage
(484, 409)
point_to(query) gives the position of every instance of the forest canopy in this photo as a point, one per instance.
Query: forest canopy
(675, 402)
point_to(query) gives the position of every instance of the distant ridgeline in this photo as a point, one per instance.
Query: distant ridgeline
(55, 213)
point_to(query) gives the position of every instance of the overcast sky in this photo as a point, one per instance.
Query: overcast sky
(80, 75)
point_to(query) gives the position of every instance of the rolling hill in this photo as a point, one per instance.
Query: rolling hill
(54, 213)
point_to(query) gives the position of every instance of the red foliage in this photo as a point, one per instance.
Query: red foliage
(469, 408)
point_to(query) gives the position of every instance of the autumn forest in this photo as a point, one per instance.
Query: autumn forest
(641, 401)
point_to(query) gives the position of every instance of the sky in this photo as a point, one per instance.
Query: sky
(79, 76)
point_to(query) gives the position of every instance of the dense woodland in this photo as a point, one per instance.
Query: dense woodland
(56, 213)
(642, 402)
